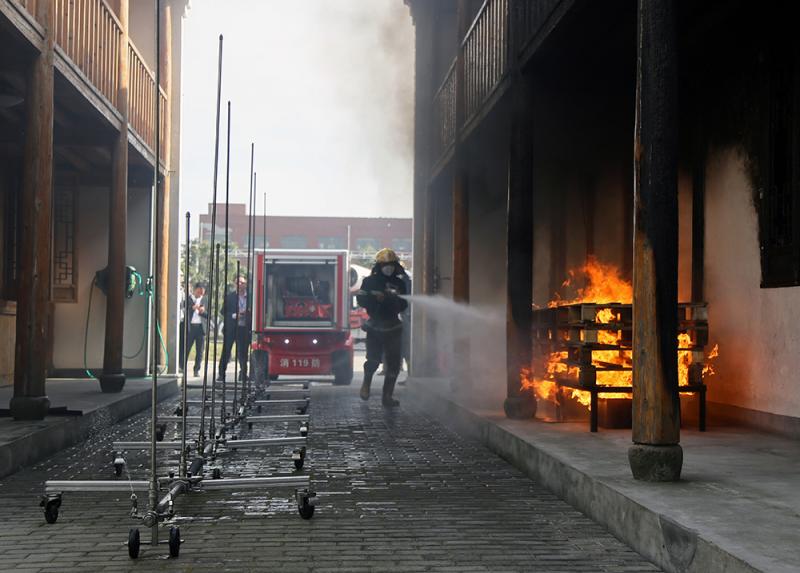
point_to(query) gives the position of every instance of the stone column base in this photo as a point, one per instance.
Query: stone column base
(521, 407)
(112, 383)
(29, 407)
(656, 463)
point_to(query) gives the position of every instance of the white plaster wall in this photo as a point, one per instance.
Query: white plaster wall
(758, 330)
(92, 241)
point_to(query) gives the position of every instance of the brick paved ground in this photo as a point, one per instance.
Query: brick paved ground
(397, 492)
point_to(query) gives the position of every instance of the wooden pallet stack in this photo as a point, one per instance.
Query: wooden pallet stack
(573, 343)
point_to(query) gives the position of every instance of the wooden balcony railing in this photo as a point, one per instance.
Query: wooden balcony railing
(89, 34)
(444, 114)
(531, 18)
(485, 50)
(141, 101)
(487, 55)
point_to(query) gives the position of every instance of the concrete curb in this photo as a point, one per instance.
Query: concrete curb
(53, 438)
(657, 537)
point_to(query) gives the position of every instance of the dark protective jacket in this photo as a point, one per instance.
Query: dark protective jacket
(383, 314)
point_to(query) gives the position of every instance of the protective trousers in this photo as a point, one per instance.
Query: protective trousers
(383, 345)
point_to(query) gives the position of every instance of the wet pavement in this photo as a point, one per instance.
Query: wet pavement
(397, 492)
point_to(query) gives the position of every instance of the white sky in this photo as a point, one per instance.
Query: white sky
(325, 90)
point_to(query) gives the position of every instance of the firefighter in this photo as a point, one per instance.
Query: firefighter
(381, 295)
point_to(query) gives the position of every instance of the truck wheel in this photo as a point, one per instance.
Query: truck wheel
(259, 366)
(342, 368)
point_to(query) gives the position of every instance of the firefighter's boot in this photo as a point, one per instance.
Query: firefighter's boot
(369, 372)
(388, 390)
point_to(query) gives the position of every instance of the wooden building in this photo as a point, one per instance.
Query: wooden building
(659, 136)
(77, 158)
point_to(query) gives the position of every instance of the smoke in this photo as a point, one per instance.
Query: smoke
(325, 90)
(465, 343)
(368, 60)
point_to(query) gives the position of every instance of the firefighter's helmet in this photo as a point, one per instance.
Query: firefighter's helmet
(386, 256)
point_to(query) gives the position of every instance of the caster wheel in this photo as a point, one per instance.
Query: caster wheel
(216, 473)
(51, 511)
(300, 459)
(133, 543)
(174, 541)
(118, 469)
(305, 509)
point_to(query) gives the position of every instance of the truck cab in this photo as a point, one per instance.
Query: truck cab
(302, 315)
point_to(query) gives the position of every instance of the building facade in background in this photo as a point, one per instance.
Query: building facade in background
(366, 235)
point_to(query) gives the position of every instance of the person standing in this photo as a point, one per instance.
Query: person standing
(236, 328)
(381, 296)
(198, 326)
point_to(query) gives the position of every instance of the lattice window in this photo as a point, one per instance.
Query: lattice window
(65, 276)
(9, 204)
(780, 200)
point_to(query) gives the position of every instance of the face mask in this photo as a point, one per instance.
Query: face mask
(387, 270)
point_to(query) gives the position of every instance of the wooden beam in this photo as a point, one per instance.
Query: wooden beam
(29, 401)
(162, 273)
(656, 454)
(424, 41)
(113, 377)
(519, 259)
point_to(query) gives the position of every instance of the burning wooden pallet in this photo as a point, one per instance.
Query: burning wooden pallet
(587, 347)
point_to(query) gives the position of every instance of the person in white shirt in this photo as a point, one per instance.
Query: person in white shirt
(198, 325)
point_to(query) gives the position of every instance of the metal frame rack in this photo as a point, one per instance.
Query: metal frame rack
(573, 330)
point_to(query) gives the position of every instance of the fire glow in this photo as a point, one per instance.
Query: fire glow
(603, 285)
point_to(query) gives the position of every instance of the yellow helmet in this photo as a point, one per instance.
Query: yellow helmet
(385, 256)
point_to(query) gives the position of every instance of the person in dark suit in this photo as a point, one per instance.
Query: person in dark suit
(236, 328)
(198, 326)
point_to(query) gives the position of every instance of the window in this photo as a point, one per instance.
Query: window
(9, 210)
(293, 242)
(300, 294)
(401, 245)
(64, 274)
(779, 202)
(332, 243)
(367, 245)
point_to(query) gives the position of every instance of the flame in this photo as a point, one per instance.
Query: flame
(603, 285)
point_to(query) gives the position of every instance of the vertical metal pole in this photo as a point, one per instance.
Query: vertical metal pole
(153, 490)
(223, 413)
(212, 422)
(186, 327)
(251, 261)
(214, 310)
(249, 250)
(236, 356)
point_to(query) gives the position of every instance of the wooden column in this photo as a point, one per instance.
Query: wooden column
(656, 454)
(165, 182)
(29, 401)
(113, 379)
(519, 260)
(460, 214)
(423, 14)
